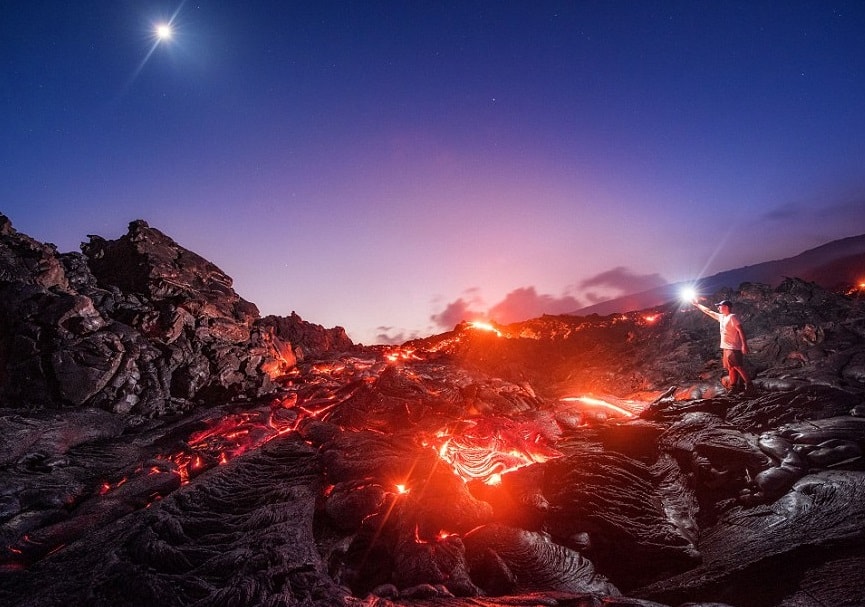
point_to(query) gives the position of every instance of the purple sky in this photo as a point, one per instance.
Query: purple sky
(395, 167)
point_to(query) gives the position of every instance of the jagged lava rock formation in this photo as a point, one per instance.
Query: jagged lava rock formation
(137, 325)
(163, 444)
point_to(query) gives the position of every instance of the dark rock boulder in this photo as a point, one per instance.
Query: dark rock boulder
(185, 306)
(26, 261)
(57, 348)
(308, 339)
(135, 325)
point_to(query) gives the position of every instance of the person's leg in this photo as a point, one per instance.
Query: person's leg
(745, 378)
(729, 366)
(737, 369)
(735, 375)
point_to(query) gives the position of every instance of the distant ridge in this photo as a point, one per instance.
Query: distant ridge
(830, 265)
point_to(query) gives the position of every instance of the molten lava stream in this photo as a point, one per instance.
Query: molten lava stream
(485, 452)
(624, 408)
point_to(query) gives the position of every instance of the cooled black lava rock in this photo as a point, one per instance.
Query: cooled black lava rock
(164, 445)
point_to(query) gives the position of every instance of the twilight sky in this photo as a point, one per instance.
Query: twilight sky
(396, 167)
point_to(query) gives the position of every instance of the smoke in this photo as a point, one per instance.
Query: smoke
(456, 312)
(392, 336)
(623, 281)
(525, 302)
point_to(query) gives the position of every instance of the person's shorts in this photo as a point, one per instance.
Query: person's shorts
(733, 359)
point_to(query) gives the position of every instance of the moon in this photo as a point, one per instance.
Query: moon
(163, 31)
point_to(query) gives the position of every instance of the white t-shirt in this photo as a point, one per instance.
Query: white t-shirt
(730, 338)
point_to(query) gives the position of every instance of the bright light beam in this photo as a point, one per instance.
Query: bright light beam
(688, 294)
(140, 66)
(162, 32)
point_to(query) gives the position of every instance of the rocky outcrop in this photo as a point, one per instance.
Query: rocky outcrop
(135, 325)
(799, 334)
(308, 339)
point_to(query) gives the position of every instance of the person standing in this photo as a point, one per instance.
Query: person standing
(734, 345)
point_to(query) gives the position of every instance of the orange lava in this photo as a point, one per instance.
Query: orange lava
(488, 448)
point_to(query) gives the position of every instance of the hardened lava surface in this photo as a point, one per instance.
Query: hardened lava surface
(165, 445)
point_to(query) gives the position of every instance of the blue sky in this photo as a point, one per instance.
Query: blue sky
(395, 167)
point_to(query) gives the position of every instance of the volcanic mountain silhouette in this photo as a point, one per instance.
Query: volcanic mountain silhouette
(834, 264)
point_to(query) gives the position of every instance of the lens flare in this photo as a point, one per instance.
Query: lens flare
(688, 294)
(163, 31)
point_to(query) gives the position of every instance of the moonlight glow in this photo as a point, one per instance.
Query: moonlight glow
(163, 31)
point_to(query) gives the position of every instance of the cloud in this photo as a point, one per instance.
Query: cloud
(525, 303)
(783, 213)
(624, 281)
(386, 335)
(393, 336)
(456, 312)
(519, 304)
(839, 207)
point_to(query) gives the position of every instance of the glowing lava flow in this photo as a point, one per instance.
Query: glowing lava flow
(489, 448)
(400, 354)
(228, 437)
(597, 402)
(484, 326)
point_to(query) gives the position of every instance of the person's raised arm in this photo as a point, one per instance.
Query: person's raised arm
(706, 310)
